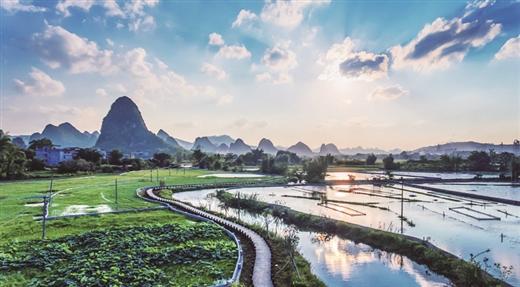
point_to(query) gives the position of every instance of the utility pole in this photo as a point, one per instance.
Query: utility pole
(151, 175)
(44, 215)
(157, 175)
(402, 199)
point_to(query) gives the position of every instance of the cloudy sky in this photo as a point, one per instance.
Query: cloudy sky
(372, 73)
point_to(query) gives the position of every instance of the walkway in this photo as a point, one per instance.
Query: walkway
(262, 267)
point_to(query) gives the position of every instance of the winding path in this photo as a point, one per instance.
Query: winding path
(262, 266)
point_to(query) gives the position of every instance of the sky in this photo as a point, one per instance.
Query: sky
(387, 74)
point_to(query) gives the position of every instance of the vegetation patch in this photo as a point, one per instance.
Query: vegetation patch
(460, 272)
(150, 255)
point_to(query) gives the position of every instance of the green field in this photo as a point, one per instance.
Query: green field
(88, 193)
(91, 193)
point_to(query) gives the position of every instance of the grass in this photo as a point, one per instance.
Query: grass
(89, 190)
(460, 272)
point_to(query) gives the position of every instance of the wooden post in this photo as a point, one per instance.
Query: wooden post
(402, 199)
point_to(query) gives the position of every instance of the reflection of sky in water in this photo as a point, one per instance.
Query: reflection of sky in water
(337, 261)
(490, 189)
(433, 220)
(404, 174)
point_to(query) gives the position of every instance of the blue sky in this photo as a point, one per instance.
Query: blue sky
(372, 73)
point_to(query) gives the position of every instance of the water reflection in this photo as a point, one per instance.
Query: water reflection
(360, 265)
(337, 262)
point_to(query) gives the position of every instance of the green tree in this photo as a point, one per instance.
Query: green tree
(371, 159)
(197, 156)
(40, 143)
(315, 170)
(479, 161)
(90, 155)
(115, 157)
(162, 159)
(388, 162)
(12, 158)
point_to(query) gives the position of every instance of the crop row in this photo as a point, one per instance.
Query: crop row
(135, 256)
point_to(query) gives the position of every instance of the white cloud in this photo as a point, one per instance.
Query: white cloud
(146, 23)
(101, 92)
(263, 77)
(40, 84)
(236, 52)
(117, 88)
(110, 42)
(135, 62)
(387, 93)
(280, 58)
(215, 39)
(224, 100)
(162, 65)
(341, 60)
(64, 5)
(510, 49)
(133, 11)
(277, 79)
(442, 43)
(136, 7)
(286, 13)
(58, 47)
(165, 84)
(112, 8)
(213, 71)
(244, 17)
(14, 6)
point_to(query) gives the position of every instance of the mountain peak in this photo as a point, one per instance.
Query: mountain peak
(329, 148)
(300, 149)
(124, 128)
(239, 147)
(267, 146)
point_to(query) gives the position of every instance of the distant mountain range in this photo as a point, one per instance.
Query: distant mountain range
(469, 146)
(66, 135)
(239, 147)
(124, 128)
(168, 139)
(330, 148)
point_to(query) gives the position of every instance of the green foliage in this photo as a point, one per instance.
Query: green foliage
(389, 164)
(115, 157)
(35, 164)
(135, 256)
(161, 159)
(371, 159)
(40, 143)
(315, 169)
(73, 166)
(479, 161)
(90, 155)
(12, 158)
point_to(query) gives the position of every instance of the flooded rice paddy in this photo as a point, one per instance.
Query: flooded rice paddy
(459, 225)
(336, 261)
